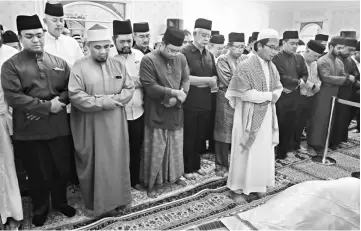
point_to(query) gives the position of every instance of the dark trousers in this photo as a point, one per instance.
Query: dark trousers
(210, 129)
(47, 163)
(195, 123)
(286, 108)
(221, 151)
(73, 174)
(303, 114)
(136, 136)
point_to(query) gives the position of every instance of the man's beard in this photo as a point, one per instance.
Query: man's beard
(335, 54)
(125, 50)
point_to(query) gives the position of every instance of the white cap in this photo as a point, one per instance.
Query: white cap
(98, 33)
(268, 34)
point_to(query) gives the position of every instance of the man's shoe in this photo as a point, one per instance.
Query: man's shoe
(39, 220)
(66, 210)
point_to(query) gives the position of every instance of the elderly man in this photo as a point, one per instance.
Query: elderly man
(293, 71)
(35, 85)
(56, 43)
(11, 210)
(11, 39)
(342, 112)
(142, 37)
(99, 88)
(197, 107)
(165, 77)
(253, 93)
(312, 52)
(226, 67)
(123, 38)
(332, 74)
(216, 45)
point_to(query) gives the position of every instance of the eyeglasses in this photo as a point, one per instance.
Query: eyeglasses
(272, 47)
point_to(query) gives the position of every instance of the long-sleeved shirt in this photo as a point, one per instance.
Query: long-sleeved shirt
(134, 108)
(312, 80)
(159, 76)
(331, 71)
(64, 47)
(292, 68)
(30, 82)
(148, 50)
(201, 65)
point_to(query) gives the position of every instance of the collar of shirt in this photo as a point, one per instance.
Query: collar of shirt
(32, 55)
(52, 38)
(139, 48)
(286, 53)
(194, 49)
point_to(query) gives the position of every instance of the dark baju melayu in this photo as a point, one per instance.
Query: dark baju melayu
(148, 50)
(30, 82)
(197, 107)
(292, 68)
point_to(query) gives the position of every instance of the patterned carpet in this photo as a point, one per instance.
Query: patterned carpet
(202, 200)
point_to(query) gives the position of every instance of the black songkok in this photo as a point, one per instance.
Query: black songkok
(236, 37)
(290, 35)
(338, 40)
(350, 33)
(358, 46)
(55, 9)
(10, 37)
(122, 27)
(351, 42)
(215, 32)
(254, 36)
(321, 37)
(25, 22)
(316, 46)
(141, 27)
(301, 43)
(203, 24)
(217, 39)
(174, 36)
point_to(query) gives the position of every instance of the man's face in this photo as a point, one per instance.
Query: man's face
(310, 55)
(336, 50)
(268, 51)
(217, 49)
(202, 37)
(237, 49)
(123, 43)
(55, 25)
(290, 45)
(170, 51)
(347, 51)
(33, 40)
(99, 50)
(357, 56)
(187, 40)
(15, 45)
(142, 39)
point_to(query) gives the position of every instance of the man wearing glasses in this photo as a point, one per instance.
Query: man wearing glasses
(165, 77)
(131, 58)
(35, 85)
(294, 74)
(197, 108)
(142, 37)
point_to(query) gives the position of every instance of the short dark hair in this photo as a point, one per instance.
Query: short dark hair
(262, 42)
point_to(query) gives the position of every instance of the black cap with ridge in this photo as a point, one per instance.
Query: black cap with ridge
(217, 39)
(214, 32)
(290, 35)
(122, 27)
(321, 37)
(174, 36)
(316, 46)
(141, 27)
(202, 23)
(351, 42)
(55, 9)
(25, 22)
(10, 37)
(235, 37)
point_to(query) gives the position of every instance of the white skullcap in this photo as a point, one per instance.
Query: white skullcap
(301, 48)
(98, 33)
(268, 34)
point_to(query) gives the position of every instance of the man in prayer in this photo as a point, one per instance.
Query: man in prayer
(142, 37)
(312, 52)
(198, 106)
(216, 45)
(35, 85)
(253, 92)
(165, 77)
(56, 43)
(253, 41)
(11, 210)
(11, 39)
(343, 112)
(332, 74)
(188, 39)
(323, 39)
(355, 112)
(293, 71)
(226, 67)
(131, 58)
(99, 88)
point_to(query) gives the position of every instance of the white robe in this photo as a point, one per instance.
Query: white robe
(10, 199)
(254, 170)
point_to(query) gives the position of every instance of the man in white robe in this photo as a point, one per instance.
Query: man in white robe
(99, 88)
(253, 92)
